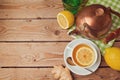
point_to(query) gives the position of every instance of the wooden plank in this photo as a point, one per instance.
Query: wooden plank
(26, 74)
(45, 74)
(117, 44)
(33, 54)
(32, 30)
(30, 8)
(101, 74)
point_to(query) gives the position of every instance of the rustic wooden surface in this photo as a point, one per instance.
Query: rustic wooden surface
(31, 42)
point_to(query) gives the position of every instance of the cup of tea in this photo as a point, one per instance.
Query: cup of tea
(84, 54)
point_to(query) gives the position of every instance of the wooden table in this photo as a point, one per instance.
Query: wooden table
(31, 42)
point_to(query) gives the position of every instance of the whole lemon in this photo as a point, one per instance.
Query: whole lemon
(112, 57)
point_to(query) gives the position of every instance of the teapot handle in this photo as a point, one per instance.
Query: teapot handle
(111, 36)
(114, 12)
(114, 34)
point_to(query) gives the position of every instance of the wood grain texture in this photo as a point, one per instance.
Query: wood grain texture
(34, 54)
(31, 42)
(45, 74)
(30, 8)
(32, 30)
(26, 74)
(117, 44)
(101, 74)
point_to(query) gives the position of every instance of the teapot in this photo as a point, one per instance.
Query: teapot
(94, 21)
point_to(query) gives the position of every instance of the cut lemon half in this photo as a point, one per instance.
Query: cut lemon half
(85, 56)
(65, 19)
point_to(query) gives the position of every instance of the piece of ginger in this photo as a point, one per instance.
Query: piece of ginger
(61, 73)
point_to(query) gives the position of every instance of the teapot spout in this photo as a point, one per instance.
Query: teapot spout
(76, 31)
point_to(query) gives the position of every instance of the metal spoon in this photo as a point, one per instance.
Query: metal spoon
(69, 61)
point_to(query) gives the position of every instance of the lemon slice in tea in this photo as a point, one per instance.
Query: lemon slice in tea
(85, 56)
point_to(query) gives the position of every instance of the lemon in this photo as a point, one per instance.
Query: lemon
(112, 57)
(85, 56)
(65, 19)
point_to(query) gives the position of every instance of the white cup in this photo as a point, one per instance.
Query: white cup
(94, 52)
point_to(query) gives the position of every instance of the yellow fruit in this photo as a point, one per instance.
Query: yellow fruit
(65, 19)
(112, 57)
(85, 56)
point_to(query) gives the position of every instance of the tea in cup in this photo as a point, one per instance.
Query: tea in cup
(84, 55)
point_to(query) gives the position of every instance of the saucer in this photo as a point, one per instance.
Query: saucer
(76, 69)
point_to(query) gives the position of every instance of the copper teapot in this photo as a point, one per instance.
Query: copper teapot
(94, 21)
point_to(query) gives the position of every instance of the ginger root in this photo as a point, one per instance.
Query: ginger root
(61, 73)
